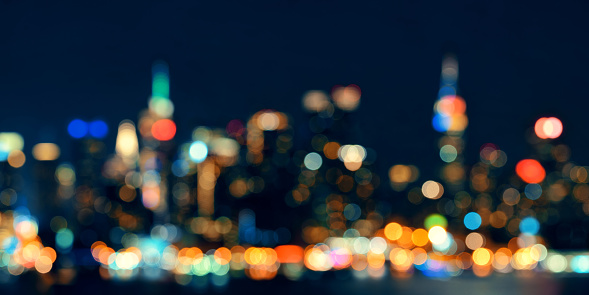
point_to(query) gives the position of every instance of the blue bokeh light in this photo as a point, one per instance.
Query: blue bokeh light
(3, 155)
(472, 220)
(352, 212)
(529, 226)
(533, 191)
(441, 123)
(98, 129)
(180, 168)
(446, 90)
(580, 264)
(77, 128)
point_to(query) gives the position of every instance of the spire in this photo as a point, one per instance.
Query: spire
(449, 110)
(450, 119)
(160, 103)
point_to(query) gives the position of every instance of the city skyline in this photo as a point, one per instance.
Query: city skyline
(288, 146)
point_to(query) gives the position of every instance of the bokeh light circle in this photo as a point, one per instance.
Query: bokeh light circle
(98, 129)
(163, 130)
(435, 220)
(529, 226)
(432, 190)
(313, 161)
(77, 128)
(533, 191)
(530, 171)
(437, 235)
(472, 220)
(548, 128)
(448, 153)
(198, 151)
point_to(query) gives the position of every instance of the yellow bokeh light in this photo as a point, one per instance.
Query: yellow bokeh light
(401, 259)
(482, 256)
(420, 237)
(127, 145)
(403, 174)
(393, 231)
(46, 152)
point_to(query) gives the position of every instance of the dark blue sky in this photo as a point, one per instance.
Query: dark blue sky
(518, 61)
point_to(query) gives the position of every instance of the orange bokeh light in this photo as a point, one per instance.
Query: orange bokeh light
(546, 128)
(163, 130)
(530, 171)
(451, 105)
(289, 253)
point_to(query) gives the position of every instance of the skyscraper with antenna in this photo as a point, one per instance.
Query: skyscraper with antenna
(157, 131)
(450, 119)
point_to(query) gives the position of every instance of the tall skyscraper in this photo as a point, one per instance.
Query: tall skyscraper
(450, 119)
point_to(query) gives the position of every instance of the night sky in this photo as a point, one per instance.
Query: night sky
(68, 59)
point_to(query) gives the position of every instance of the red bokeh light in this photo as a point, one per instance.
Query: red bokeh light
(530, 171)
(163, 130)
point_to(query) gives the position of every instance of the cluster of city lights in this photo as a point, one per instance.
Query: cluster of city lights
(400, 249)
(151, 208)
(21, 248)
